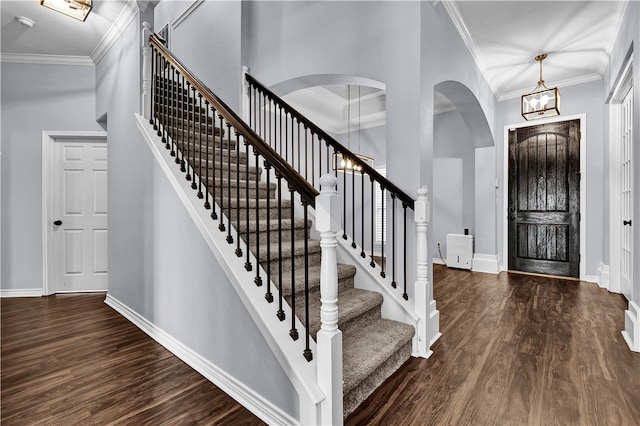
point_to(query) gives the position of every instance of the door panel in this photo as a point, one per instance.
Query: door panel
(626, 187)
(544, 199)
(80, 202)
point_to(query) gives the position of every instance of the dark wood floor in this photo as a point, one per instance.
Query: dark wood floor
(515, 350)
(72, 360)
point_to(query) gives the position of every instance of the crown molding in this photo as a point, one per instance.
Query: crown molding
(29, 58)
(184, 15)
(130, 11)
(564, 83)
(468, 40)
(621, 8)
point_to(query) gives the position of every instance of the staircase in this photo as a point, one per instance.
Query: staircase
(374, 347)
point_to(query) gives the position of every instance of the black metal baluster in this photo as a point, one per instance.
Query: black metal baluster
(307, 351)
(257, 280)
(320, 157)
(246, 148)
(171, 99)
(373, 220)
(214, 215)
(251, 116)
(270, 129)
(286, 136)
(264, 117)
(268, 295)
(393, 240)
(280, 313)
(313, 161)
(344, 202)
(382, 226)
(353, 208)
(294, 331)
(152, 107)
(206, 124)
(280, 138)
(221, 226)
(299, 168)
(306, 155)
(207, 186)
(173, 113)
(161, 96)
(405, 296)
(247, 263)
(329, 160)
(229, 236)
(362, 253)
(186, 144)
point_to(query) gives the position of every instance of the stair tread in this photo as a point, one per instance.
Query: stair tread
(352, 302)
(367, 348)
(273, 225)
(313, 247)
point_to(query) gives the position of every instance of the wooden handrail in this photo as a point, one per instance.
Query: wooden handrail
(296, 182)
(337, 146)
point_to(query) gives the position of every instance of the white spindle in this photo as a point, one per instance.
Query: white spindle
(329, 338)
(146, 71)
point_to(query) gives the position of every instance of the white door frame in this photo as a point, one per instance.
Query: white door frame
(48, 152)
(583, 186)
(624, 83)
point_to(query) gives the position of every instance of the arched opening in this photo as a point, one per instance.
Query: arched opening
(464, 172)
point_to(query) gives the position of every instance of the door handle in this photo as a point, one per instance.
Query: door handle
(57, 222)
(626, 222)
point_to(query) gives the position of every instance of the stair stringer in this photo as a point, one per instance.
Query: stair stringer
(394, 307)
(301, 373)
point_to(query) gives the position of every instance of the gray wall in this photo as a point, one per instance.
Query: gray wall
(35, 98)
(208, 42)
(586, 99)
(451, 140)
(159, 264)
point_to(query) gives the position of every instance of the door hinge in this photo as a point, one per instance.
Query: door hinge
(579, 216)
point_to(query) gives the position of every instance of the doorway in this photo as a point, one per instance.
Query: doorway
(621, 184)
(75, 212)
(544, 218)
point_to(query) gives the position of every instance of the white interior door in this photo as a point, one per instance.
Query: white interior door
(626, 188)
(80, 216)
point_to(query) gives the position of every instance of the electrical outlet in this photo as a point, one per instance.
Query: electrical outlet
(438, 243)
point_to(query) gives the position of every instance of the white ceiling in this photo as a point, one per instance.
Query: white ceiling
(53, 32)
(505, 36)
(502, 36)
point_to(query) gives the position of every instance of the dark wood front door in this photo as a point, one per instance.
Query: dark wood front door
(544, 199)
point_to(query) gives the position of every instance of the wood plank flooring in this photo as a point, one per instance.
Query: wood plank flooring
(516, 350)
(72, 360)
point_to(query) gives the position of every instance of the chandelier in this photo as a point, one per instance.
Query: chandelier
(343, 163)
(542, 101)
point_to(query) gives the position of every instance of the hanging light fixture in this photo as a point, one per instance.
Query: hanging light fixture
(342, 162)
(542, 101)
(78, 9)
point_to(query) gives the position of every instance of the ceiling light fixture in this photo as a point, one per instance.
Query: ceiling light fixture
(341, 162)
(78, 9)
(542, 101)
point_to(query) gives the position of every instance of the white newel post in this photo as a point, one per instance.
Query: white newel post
(428, 324)
(329, 338)
(146, 71)
(245, 94)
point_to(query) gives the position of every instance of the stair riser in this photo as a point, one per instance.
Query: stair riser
(194, 143)
(201, 170)
(358, 394)
(224, 143)
(182, 120)
(222, 188)
(314, 259)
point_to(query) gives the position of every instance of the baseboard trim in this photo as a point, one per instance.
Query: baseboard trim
(487, 263)
(21, 292)
(230, 385)
(631, 332)
(438, 261)
(595, 279)
(603, 275)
